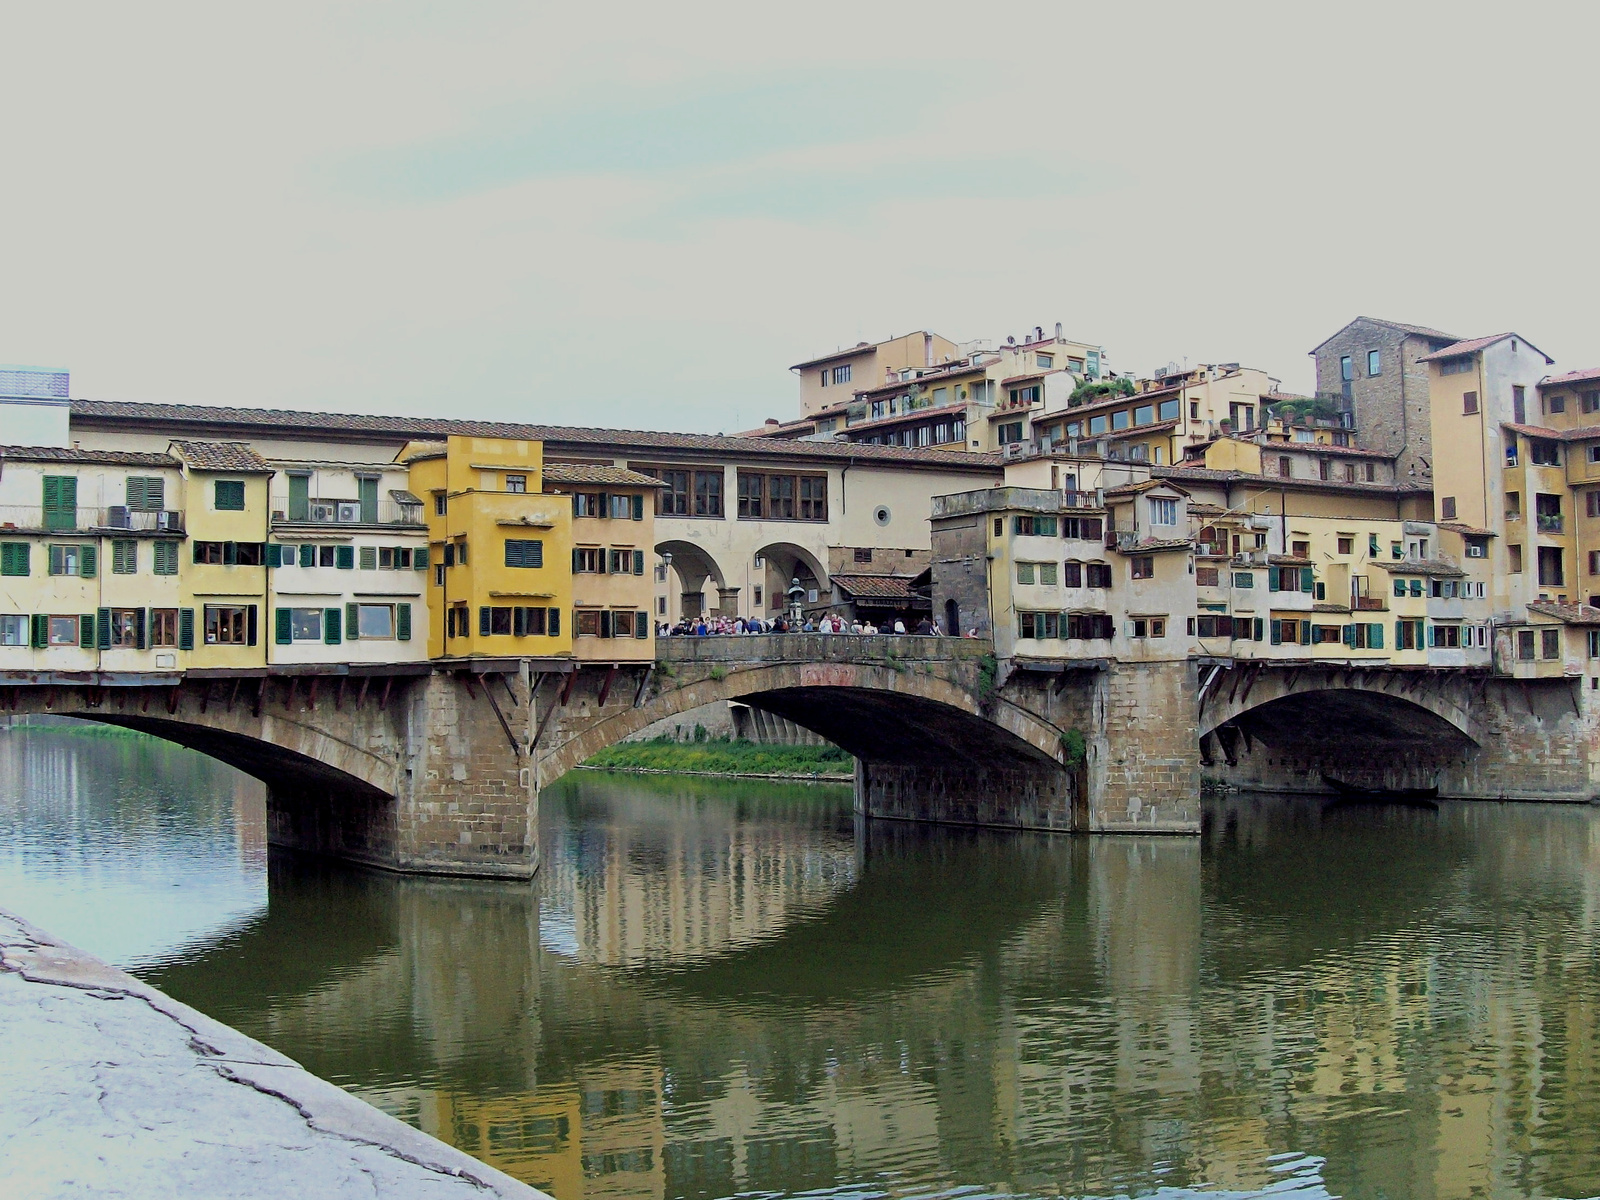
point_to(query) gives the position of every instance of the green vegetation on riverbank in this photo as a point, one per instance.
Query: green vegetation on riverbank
(70, 725)
(724, 757)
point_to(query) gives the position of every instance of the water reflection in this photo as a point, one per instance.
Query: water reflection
(733, 989)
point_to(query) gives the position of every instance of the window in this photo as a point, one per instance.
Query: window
(1456, 366)
(375, 621)
(1088, 625)
(1010, 432)
(305, 624)
(1347, 370)
(1373, 363)
(524, 552)
(1039, 625)
(588, 560)
(1024, 395)
(1244, 579)
(1555, 404)
(1097, 575)
(1167, 410)
(1034, 526)
(1514, 559)
(1088, 529)
(1347, 545)
(145, 493)
(63, 631)
(1044, 361)
(1072, 574)
(1447, 508)
(14, 558)
(673, 500)
(1372, 474)
(1144, 566)
(1207, 577)
(1407, 634)
(72, 560)
(1147, 627)
(328, 556)
(1163, 512)
(1544, 453)
(1549, 644)
(13, 630)
(1285, 469)
(1144, 414)
(516, 483)
(229, 495)
(1511, 450)
(1591, 402)
(1524, 645)
(1552, 568)
(60, 502)
(1096, 425)
(164, 628)
(124, 556)
(862, 554)
(814, 497)
(1024, 572)
(1047, 574)
(625, 561)
(842, 374)
(708, 493)
(369, 558)
(1301, 549)
(228, 624)
(587, 622)
(441, 504)
(1469, 403)
(1119, 419)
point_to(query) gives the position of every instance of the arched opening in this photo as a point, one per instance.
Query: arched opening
(774, 569)
(690, 580)
(952, 617)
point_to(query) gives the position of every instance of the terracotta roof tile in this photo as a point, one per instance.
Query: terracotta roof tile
(596, 473)
(1572, 614)
(1469, 530)
(223, 456)
(258, 421)
(1420, 566)
(1473, 345)
(1587, 375)
(876, 587)
(68, 454)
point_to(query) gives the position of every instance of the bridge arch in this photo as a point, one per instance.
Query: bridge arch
(1344, 706)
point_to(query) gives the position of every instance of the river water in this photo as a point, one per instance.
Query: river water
(721, 988)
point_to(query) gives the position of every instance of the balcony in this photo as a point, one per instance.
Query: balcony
(1550, 523)
(346, 512)
(1074, 499)
(1371, 604)
(86, 520)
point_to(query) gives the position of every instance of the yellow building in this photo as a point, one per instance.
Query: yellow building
(500, 549)
(613, 559)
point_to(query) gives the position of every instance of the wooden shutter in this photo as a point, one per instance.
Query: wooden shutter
(402, 622)
(1308, 580)
(483, 621)
(638, 508)
(330, 626)
(369, 558)
(641, 625)
(553, 625)
(40, 630)
(251, 633)
(274, 556)
(605, 623)
(345, 558)
(638, 562)
(299, 497)
(86, 631)
(86, 561)
(104, 619)
(369, 500)
(135, 493)
(283, 626)
(419, 559)
(352, 622)
(141, 637)
(186, 629)
(1375, 637)
(230, 554)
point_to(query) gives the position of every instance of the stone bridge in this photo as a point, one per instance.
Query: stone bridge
(437, 767)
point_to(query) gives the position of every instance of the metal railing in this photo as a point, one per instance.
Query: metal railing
(83, 519)
(344, 511)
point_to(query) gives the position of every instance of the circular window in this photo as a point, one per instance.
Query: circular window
(881, 514)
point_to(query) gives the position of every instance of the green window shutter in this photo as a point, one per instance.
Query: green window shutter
(553, 625)
(605, 624)
(274, 555)
(638, 508)
(352, 622)
(308, 556)
(135, 493)
(345, 558)
(1305, 633)
(140, 638)
(1399, 587)
(299, 497)
(86, 563)
(1399, 634)
(230, 554)
(369, 500)
(1348, 633)
(330, 626)
(1308, 580)
(1277, 632)
(60, 502)
(86, 631)
(251, 632)
(638, 562)
(166, 558)
(369, 558)
(103, 620)
(41, 630)
(641, 625)
(1375, 637)
(14, 558)
(483, 622)
(229, 494)
(1272, 579)
(402, 622)
(1260, 630)
(420, 559)
(283, 626)
(1432, 630)
(186, 629)
(574, 560)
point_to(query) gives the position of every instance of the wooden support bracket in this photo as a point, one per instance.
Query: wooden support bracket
(566, 688)
(644, 683)
(488, 694)
(605, 686)
(261, 698)
(383, 701)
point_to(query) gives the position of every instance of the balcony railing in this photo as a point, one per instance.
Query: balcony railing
(1081, 499)
(1371, 604)
(345, 512)
(84, 520)
(1549, 522)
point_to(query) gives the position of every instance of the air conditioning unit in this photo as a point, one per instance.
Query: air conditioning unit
(1476, 552)
(117, 517)
(318, 511)
(169, 520)
(349, 512)
(1261, 521)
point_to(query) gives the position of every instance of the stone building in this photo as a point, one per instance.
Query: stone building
(1373, 370)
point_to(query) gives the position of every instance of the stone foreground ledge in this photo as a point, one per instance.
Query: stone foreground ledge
(112, 1088)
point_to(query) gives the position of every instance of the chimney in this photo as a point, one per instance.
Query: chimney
(1038, 333)
(1058, 331)
(927, 349)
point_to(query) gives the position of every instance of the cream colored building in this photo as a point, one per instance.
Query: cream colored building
(827, 380)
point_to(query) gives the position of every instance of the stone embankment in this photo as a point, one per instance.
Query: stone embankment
(112, 1088)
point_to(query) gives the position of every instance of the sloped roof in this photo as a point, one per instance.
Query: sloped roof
(597, 473)
(1473, 345)
(1418, 330)
(875, 587)
(1572, 614)
(257, 422)
(1469, 530)
(1135, 489)
(1420, 566)
(223, 456)
(1155, 545)
(1587, 375)
(71, 454)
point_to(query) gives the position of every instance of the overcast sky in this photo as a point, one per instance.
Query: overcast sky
(640, 215)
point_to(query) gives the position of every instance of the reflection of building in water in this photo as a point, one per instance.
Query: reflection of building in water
(249, 819)
(629, 892)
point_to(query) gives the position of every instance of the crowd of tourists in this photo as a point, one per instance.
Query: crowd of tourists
(830, 622)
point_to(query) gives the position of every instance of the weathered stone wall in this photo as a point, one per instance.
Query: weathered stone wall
(1009, 795)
